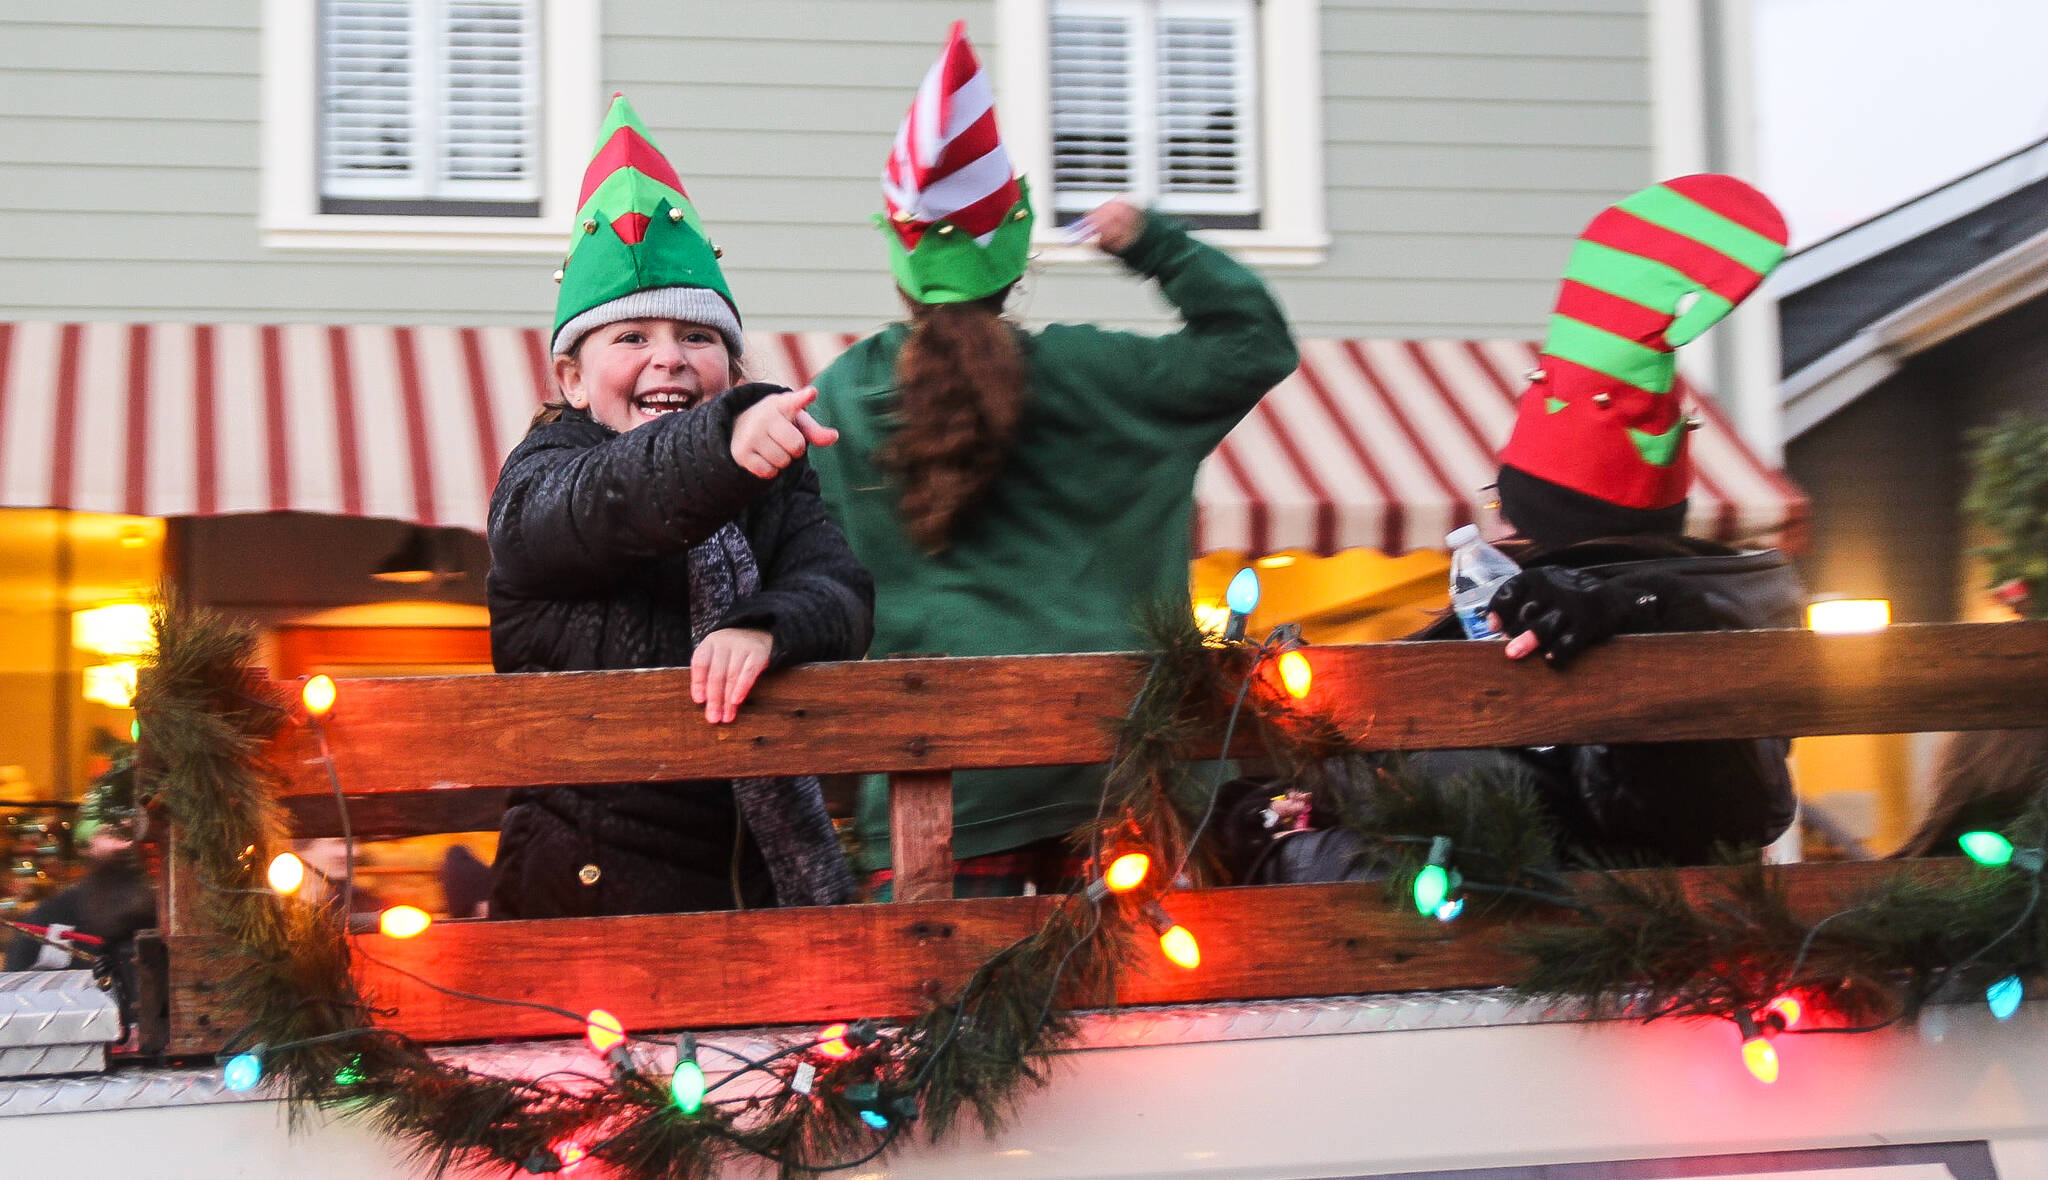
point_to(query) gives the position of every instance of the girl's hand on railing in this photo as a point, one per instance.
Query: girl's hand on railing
(723, 670)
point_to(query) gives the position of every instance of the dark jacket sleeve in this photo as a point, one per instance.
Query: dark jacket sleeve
(579, 506)
(815, 597)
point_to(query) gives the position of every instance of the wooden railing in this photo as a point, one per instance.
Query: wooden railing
(438, 754)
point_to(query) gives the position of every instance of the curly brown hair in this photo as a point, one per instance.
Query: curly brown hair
(960, 387)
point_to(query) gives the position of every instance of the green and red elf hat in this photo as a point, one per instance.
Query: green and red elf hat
(1647, 275)
(639, 250)
(957, 218)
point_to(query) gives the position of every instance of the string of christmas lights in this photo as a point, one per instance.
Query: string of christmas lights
(845, 1096)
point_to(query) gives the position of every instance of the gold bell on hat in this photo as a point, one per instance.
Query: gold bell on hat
(1536, 375)
(1601, 399)
(675, 214)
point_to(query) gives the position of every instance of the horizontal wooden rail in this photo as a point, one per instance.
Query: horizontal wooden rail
(431, 734)
(664, 971)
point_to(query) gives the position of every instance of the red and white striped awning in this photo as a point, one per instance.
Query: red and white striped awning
(1377, 443)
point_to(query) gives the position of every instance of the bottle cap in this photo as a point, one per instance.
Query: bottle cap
(1461, 536)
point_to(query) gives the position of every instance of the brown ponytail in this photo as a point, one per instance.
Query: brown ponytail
(960, 385)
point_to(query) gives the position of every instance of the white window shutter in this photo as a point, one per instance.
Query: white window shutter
(368, 132)
(489, 101)
(1157, 99)
(430, 100)
(1099, 137)
(1207, 111)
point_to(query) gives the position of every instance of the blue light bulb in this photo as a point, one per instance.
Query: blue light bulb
(242, 1072)
(875, 1119)
(1243, 595)
(1449, 911)
(2005, 996)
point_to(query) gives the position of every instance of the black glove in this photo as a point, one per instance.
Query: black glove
(1571, 611)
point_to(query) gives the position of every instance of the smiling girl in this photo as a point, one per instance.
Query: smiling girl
(660, 514)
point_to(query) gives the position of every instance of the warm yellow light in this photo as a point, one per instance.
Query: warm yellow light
(1127, 872)
(117, 629)
(112, 685)
(832, 1042)
(1762, 1059)
(1295, 674)
(319, 694)
(1276, 561)
(404, 921)
(1180, 947)
(604, 1030)
(287, 873)
(1848, 616)
(1211, 618)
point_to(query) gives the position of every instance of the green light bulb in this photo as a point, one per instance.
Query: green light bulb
(1986, 848)
(1431, 884)
(350, 1074)
(686, 1085)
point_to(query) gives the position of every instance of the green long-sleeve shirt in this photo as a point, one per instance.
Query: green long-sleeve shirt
(1088, 520)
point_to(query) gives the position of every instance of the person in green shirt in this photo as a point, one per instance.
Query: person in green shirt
(1021, 492)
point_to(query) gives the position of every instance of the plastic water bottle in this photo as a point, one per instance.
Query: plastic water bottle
(1477, 570)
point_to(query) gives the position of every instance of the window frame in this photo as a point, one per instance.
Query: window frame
(1289, 131)
(289, 215)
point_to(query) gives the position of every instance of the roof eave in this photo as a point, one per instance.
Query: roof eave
(1835, 380)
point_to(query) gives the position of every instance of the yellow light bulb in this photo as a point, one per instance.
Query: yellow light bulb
(404, 921)
(1180, 947)
(1127, 872)
(1295, 674)
(318, 695)
(1762, 1059)
(287, 873)
(832, 1042)
(604, 1030)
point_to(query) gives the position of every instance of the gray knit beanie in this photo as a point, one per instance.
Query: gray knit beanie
(696, 305)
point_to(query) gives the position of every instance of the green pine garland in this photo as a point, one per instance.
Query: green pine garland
(1638, 943)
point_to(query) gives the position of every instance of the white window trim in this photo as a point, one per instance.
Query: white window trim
(1294, 232)
(289, 217)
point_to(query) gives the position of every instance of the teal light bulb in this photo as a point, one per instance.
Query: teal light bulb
(1431, 884)
(1449, 911)
(242, 1072)
(1986, 848)
(1243, 595)
(2005, 996)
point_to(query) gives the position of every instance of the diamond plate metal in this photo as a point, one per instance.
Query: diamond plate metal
(33, 1061)
(72, 1012)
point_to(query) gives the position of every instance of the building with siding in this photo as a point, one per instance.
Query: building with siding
(285, 255)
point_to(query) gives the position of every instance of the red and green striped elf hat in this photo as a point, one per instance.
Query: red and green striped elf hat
(958, 220)
(639, 250)
(1646, 276)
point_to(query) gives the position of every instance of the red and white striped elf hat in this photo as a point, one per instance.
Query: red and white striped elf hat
(949, 177)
